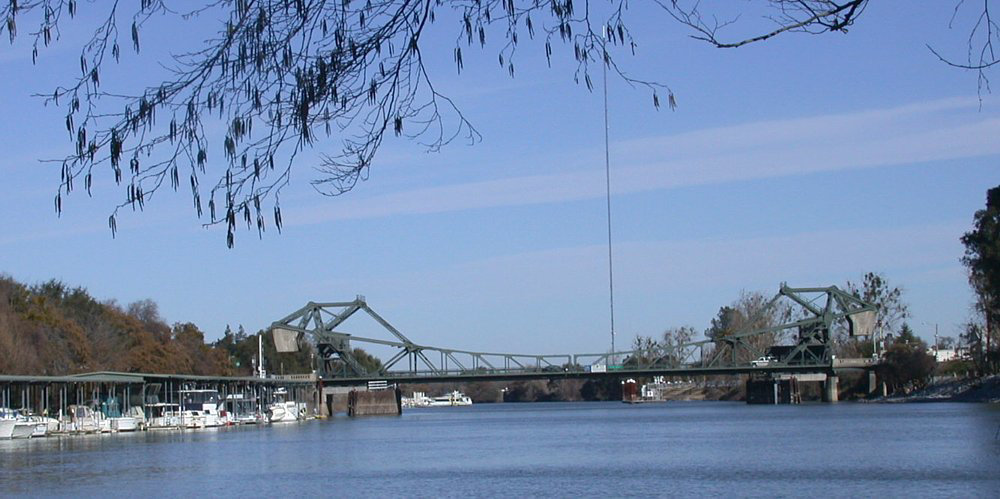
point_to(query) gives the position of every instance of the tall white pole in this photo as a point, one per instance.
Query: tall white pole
(260, 355)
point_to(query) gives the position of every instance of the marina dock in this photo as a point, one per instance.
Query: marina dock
(139, 401)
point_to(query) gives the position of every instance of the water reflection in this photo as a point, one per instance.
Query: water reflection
(543, 449)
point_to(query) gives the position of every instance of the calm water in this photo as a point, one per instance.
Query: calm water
(554, 449)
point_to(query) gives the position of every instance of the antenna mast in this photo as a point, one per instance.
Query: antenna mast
(607, 173)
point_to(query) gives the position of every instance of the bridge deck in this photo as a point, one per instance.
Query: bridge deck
(554, 374)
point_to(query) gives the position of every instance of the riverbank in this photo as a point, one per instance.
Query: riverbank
(980, 390)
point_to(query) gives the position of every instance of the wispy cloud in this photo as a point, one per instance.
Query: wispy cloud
(931, 131)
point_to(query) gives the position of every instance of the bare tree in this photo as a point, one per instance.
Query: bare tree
(805, 16)
(983, 31)
(875, 288)
(752, 311)
(278, 74)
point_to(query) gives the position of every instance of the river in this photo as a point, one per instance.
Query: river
(542, 449)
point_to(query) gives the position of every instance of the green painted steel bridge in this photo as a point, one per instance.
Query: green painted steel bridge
(805, 346)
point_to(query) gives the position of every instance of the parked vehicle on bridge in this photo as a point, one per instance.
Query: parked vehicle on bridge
(762, 361)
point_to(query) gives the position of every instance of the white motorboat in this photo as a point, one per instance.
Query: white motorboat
(6, 429)
(23, 428)
(240, 409)
(8, 419)
(139, 415)
(41, 426)
(200, 408)
(284, 410)
(14, 424)
(125, 423)
(163, 416)
(419, 399)
(51, 425)
(82, 420)
(113, 419)
(453, 399)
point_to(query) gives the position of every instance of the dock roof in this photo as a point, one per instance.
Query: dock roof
(120, 377)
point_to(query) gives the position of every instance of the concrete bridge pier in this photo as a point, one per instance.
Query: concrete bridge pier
(830, 391)
(374, 403)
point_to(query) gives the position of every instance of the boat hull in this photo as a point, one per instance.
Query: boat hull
(23, 429)
(41, 429)
(6, 428)
(124, 424)
(284, 412)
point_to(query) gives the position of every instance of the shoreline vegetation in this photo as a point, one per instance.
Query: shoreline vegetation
(985, 389)
(52, 329)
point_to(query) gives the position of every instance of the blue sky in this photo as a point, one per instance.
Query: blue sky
(806, 159)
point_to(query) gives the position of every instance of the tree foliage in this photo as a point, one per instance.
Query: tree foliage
(974, 338)
(278, 75)
(906, 364)
(53, 329)
(242, 353)
(982, 259)
(751, 311)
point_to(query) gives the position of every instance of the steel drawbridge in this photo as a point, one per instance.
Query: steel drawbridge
(807, 347)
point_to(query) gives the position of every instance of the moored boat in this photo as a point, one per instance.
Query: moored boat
(283, 410)
(200, 408)
(23, 426)
(240, 409)
(453, 399)
(116, 421)
(419, 399)
(7, 420)
(82, 420)
(162, 416)
(23, 429)
(41, 426)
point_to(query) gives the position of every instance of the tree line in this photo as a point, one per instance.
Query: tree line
(53, 329)
(906, 363)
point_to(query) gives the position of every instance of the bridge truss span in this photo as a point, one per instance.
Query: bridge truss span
(808, 347)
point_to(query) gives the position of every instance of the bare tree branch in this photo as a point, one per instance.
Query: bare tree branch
(277, 75)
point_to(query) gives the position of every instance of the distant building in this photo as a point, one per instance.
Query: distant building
(947, 354)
